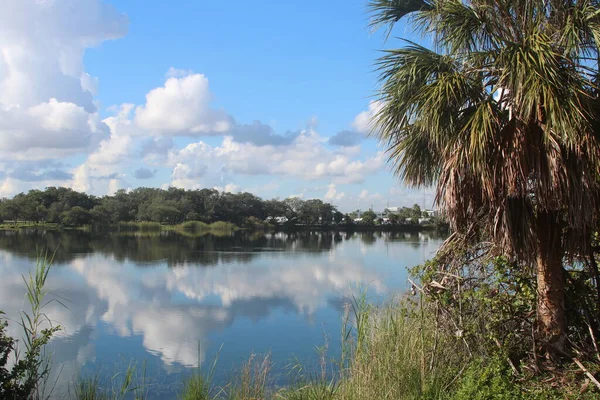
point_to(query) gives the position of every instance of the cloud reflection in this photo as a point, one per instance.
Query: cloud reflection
(172, 311)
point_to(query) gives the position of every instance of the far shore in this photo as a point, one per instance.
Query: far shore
(145, 226)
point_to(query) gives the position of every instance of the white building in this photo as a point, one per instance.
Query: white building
(431, 213)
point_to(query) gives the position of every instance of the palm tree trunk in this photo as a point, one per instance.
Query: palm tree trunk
(550, 280)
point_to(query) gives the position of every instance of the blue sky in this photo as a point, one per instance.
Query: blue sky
(268, 97)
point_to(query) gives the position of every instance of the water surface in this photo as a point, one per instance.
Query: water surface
(175, 302)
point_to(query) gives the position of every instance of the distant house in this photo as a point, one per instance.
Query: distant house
(423, 221)
(391, 210)
(431, 213)
(277, 220)
(358, 219)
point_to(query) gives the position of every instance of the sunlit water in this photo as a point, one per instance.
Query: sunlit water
(172, 302)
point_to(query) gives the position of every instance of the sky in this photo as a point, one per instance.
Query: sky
(268, 97)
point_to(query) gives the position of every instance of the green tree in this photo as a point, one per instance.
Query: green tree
(503, 118)
(76, 216)
(338, 217)
(415, 212)
(369, 217)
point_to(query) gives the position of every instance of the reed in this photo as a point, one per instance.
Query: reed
(27, 378)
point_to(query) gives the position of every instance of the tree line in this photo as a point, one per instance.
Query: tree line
(172, 206)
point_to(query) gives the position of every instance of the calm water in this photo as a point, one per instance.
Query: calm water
(175, 302)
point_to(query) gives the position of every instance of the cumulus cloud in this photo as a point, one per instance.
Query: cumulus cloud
(363, 122)
(49, 129)
(157, 147)
(46, 97)
(332, 193)
(305, 158)
(182, 107)
(229, 188)
(48, 112)
(47, 108)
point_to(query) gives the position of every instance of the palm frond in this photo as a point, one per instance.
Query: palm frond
(385, 13)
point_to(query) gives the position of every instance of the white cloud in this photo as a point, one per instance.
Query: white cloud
(46, 97)
(181, 107)
(10, 187)
(112, 151)
(363, 122)
(81, 179)
(305, 158)
(229, 188)
(47, 109)
(42, 46)
(332, 193)
(47, 130)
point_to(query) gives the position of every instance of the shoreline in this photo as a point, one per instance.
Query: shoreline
(153, 226)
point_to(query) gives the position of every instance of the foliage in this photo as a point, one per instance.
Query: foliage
(26, 377)
(255, 223)
(490, 303)
(502, 115)
(368, 217)
(489, 380)
(411, 214)
(150, 205)
(196, 387)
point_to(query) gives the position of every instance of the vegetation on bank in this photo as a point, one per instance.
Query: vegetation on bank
(501, 114)
(168, 207)
(147, 209)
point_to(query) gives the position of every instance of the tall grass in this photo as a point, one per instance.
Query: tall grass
(28, 376)
(397, 352)
(393, 351)
(253, 381)
(128, 384)
(193, 226)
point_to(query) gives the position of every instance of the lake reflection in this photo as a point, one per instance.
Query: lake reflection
(175, 300)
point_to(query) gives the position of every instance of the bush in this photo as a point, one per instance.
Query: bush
(490, 380)
(255, 223)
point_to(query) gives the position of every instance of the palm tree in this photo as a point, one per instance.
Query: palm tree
(501, 114)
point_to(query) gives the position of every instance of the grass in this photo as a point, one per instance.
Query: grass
(128, 384)
(7, 226)
(399, 354)
(27, 377)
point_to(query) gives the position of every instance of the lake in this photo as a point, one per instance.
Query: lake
(172, 302)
